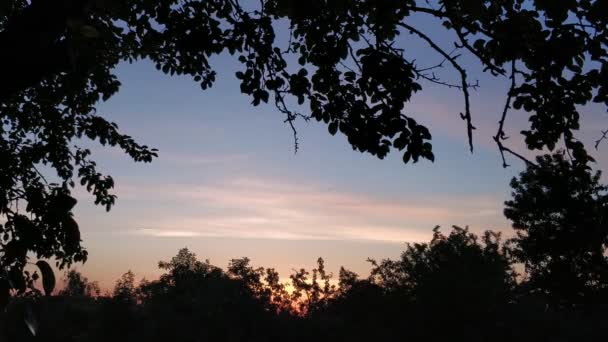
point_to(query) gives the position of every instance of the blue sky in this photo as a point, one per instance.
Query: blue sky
(227, 183)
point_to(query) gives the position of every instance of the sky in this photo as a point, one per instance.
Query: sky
(227, 183)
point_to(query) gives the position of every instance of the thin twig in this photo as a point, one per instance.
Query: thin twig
(602, 138)
(522, 158)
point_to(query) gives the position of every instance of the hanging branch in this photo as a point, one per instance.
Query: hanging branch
(463, 77)
(500, 134)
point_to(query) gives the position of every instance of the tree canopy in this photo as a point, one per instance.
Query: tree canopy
(78, 285)
(559, 211)
(457, 286)
(342, 59)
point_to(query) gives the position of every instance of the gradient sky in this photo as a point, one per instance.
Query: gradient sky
(227, 183)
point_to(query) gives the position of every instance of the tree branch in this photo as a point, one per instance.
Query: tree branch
(463, 76)
(500, 133)
(602, 138)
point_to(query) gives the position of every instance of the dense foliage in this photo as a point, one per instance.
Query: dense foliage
(559, 211)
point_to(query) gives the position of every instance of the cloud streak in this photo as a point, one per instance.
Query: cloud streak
(250, 208)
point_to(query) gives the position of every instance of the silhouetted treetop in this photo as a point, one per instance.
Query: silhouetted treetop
(460, 259)
(124, 289)
(459, 286)
(78, 285)
(560, 212)
(343, 59)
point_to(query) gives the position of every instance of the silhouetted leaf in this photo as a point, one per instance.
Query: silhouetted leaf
(48, 277)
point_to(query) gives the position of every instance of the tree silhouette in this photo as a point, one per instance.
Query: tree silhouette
(198, 301)
(559, 210)
(124, 290)
(314, 293)
(264, 284)
(352, 71)
(457, 281)
(78, 285)
(458, 286)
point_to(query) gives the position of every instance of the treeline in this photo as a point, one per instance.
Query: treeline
(547, 283)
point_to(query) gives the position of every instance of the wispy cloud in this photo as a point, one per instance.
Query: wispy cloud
(259, 208)
(196, 160)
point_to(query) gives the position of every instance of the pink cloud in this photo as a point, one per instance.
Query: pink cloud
(256, 208)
